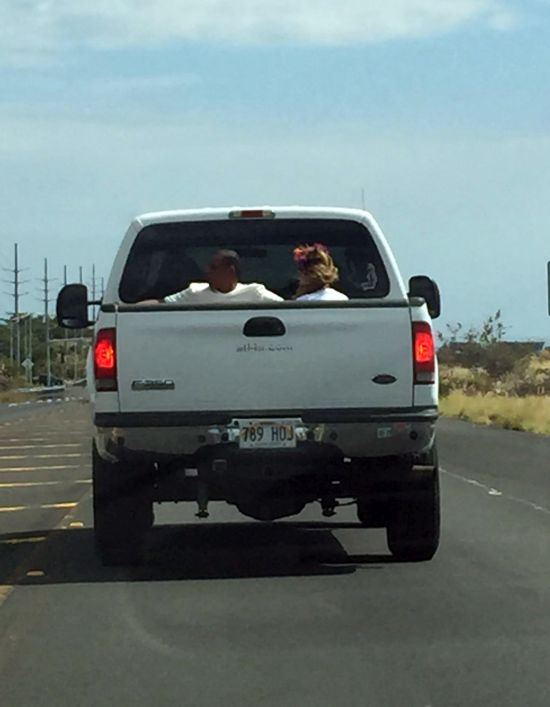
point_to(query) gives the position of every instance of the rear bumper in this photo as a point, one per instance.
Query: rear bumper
(350, 433)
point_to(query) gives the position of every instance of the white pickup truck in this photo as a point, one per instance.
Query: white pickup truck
(267, 406)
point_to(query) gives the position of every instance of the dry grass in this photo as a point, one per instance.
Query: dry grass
(472, 380)
(528, 414)
(13, 396)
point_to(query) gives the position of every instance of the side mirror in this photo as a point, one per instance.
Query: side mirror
(422, 286)
(72, 307)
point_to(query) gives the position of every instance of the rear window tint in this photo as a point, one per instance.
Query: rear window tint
(165, 258)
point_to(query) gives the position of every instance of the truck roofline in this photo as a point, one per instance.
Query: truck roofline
(207, 214)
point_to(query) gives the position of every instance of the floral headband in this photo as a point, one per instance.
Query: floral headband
(303, 253)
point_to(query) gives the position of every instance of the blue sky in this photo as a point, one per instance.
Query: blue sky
(439, 110)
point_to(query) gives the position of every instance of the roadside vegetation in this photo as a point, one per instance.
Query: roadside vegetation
(10, 383)
(13, 396)
(67, 356)
(491, 381)
(529, 414)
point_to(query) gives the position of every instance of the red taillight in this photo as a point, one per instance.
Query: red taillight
(105, 360)
(424, 353)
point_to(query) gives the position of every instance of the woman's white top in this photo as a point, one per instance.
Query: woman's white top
(326, 294)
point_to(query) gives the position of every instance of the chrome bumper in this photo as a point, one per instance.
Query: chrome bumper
(395, 435)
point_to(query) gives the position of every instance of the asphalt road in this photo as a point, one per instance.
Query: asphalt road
(301, 613)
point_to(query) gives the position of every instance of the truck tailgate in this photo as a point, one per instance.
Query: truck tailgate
(182, 360)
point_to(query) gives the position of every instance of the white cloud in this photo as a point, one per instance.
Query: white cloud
(31, 30)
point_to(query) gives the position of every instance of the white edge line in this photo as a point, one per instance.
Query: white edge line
(496, 493)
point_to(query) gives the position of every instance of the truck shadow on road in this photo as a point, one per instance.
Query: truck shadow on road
(187, 552)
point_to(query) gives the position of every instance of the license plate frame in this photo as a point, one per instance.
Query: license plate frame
(267, 433)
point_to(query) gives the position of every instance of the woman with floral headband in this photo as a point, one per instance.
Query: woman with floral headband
(317, 273)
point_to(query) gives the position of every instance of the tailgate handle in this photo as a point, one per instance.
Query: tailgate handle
(384, 379)
(264, 326)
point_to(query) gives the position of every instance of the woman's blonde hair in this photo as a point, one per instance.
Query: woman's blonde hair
(316, 266)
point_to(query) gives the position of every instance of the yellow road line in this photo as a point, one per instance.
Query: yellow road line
(47, 429)
(47, 438)
(15, 457)
(41, 446)
(41, 425)
(23, 541)
(43, 507)
(29, 484)
(5, 591)
(7, 469)
(16, 575)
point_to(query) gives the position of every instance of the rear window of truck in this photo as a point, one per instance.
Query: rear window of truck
(165, 258)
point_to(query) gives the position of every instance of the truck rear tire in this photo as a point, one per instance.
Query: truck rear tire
(372, 512)
(123, 511)
(413, 530)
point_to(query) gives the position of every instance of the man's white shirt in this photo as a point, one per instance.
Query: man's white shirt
(202, 293)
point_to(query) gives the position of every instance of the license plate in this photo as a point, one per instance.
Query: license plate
(267, 434)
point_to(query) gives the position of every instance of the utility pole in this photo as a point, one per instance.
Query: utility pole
(65, 283)
(15, 327)
(25, 335)
(81, 281)
(46, 301)
(26, 320)
(93, 289)
(16, 285)
(66, 330)
(30, 346)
